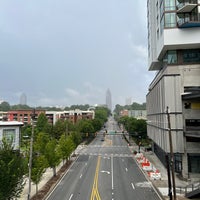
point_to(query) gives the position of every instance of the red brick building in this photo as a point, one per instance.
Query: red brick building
(23, 115)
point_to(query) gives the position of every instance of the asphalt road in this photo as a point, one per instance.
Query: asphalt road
(104, 170)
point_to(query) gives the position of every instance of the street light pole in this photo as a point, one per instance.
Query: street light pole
(171, 153)
(31, 154)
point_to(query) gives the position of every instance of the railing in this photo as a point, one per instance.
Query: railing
(180, 5)
(189, 188)
(182, 21)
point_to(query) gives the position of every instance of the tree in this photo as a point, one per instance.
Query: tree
(42, 123)
(85, 126)
(52, 155)
(76, 138)
(102, 114)
(97, 124)
(12, 169)
(39, 166)
(20, 107)
(4, 106)
(40, 143)
(141, 128)
(65, 147)
(59, 128)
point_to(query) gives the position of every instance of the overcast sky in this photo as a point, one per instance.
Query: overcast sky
(68, 52)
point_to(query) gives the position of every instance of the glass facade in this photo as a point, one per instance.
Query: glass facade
(170, 20)
(191, 56)
(170, 5)
(170, 57)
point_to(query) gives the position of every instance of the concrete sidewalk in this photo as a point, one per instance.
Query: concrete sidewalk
(160, 184)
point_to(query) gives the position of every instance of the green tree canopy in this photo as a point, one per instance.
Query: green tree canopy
(40, 143)
(12, 169)
(102, 114)
(76, 137)
(85, 126)
(39, 166)
(42, 123)
(52, 155)
(4, 106)
(65, 147)
(134, 126)
(59, 128)
(97, 124)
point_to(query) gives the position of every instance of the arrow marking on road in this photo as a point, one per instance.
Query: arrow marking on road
(126, 169)
(105, 172)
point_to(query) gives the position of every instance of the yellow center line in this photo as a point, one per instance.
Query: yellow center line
(95, 193)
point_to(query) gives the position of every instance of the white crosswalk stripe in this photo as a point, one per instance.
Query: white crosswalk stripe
(112, 146)
(106, 154)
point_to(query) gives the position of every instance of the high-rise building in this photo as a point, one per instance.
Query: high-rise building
(174, 52)
(23, 99)
(108, 99)
(128, 101)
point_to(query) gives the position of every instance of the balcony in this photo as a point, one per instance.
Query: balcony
(186, 6)
(188, 23)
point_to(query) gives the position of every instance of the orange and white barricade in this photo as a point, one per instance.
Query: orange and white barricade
(155, 175)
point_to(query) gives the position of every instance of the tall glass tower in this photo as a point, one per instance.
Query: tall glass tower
(108, 100)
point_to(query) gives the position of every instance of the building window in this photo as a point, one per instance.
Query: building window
(170, 5)
(170, 57)
(192, 124)
(178, 162)
(9, 135)
(170, 20)
(192, 55)
(194, 163)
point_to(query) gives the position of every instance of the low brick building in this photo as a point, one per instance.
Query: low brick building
(23, 115)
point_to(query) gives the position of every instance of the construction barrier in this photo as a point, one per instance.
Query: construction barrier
(152, 172)
(155, 175)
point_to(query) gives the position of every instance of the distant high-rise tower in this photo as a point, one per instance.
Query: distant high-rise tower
(108, 99)
(23, 99)
(129, 101)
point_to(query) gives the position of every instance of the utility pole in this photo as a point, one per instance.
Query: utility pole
(171, 153)
(31, 154)
(169, 177)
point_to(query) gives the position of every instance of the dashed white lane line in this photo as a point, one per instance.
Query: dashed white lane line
(133, 186)
(71, 197)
